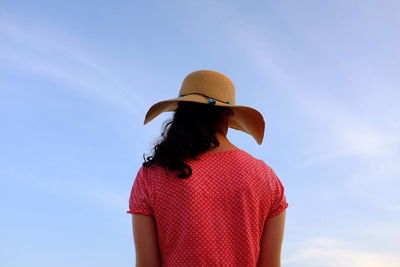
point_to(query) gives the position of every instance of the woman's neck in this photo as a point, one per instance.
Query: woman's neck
(224, 144)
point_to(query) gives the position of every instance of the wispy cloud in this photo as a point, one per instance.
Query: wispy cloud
(350, 129)
(77, 188)
(62, 60)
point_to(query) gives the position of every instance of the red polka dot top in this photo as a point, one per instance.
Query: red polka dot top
(216, 216)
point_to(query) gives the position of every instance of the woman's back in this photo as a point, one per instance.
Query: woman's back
(215, 217)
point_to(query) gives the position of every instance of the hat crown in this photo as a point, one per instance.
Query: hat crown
(213, 84)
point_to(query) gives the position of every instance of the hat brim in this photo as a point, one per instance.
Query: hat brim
(246, 119)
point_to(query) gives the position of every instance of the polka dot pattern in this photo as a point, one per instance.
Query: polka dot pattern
(216, 216)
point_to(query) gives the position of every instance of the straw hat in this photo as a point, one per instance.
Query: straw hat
(213, 88)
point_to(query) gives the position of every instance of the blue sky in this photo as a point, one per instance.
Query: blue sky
(77, 77)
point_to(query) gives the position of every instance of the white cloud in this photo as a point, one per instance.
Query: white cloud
(325, 252)
(367, 142)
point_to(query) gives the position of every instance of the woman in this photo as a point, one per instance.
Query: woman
(199, 200)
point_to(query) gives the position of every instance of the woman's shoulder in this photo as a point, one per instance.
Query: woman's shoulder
(245, 155)
(256, 164)
(153, 170)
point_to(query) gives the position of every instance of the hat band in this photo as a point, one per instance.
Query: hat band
(211, 100)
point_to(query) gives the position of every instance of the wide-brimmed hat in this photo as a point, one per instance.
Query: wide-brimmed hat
(213, 88)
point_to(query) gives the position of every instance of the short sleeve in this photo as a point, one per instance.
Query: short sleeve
(279, 203)
(140, 197)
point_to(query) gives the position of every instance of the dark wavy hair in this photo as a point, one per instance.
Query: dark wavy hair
(190, 132)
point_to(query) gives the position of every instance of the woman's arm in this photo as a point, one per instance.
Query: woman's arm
(271, 241)
(146, 242)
